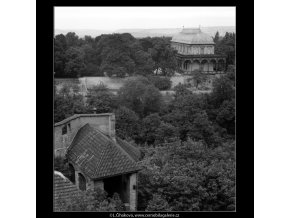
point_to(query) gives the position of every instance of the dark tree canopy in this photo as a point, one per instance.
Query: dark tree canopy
(127, 123)
(139, 95)
(113, 54)
(100, 99)
(226, 46)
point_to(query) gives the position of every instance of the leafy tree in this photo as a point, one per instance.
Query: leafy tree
(143, 63)
(127, 123)
(158, 203)
(181, 90)
(226, 46)
(231, 74)
(226, 116)
(166, 133)
(72, 39)
(222, 90)
(115, 54)
(61, 40)
(188, 114)
(74, 66)
(91, 62)
(152, 100)
(60, 47)
(162, 83)
(140, 96)
(67, 104)
(150, 124)
(216, 37)
(162, 54)
(100, 98)
(198, 78)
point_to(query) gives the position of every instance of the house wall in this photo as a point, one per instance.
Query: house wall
(104, 122)
(193, 49)
(133, 191)
(99, 184)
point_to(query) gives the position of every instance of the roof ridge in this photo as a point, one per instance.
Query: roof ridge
(132, 148)
(75, 137)
(117, 145)
(75, 116)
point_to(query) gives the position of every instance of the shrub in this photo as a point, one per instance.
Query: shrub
(90, 200)
(158, 203)
(162, 83)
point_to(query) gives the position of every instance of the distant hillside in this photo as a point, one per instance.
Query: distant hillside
(140, 33)
(83, 32)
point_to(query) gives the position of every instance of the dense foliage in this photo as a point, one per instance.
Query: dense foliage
(100, 99)
(92, 200)
(68, 102)
(226, 46)
(188, 177)
(139, 95)
(162, 83)
(112, 55)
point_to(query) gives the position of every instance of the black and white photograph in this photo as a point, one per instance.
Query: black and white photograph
(144, 109)
(149, 111)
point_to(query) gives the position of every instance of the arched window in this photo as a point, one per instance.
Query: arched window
(71, 173)
(205, 66)
(213, 66)
(64, 130)
(82, 182)
(186, 65)
(195, 65)
(221, 65)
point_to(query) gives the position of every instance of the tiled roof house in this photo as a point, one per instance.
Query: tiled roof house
(97, 158)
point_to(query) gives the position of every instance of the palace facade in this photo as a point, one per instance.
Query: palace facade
(195, 51)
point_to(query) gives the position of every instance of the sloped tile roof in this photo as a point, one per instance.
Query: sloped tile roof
(130, 149)
(64, 190)
(99, 156)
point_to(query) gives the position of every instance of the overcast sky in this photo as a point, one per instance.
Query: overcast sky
(113, 18)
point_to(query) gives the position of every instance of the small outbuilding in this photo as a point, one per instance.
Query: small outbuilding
(97, 158)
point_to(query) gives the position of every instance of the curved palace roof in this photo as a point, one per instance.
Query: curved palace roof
(192, 36)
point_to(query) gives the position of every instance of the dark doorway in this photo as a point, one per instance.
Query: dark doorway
(118, 184)
(71, 174)
(82, 182)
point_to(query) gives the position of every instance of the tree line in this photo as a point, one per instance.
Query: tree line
(226, 46)
(113, 54)
(123, 55)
